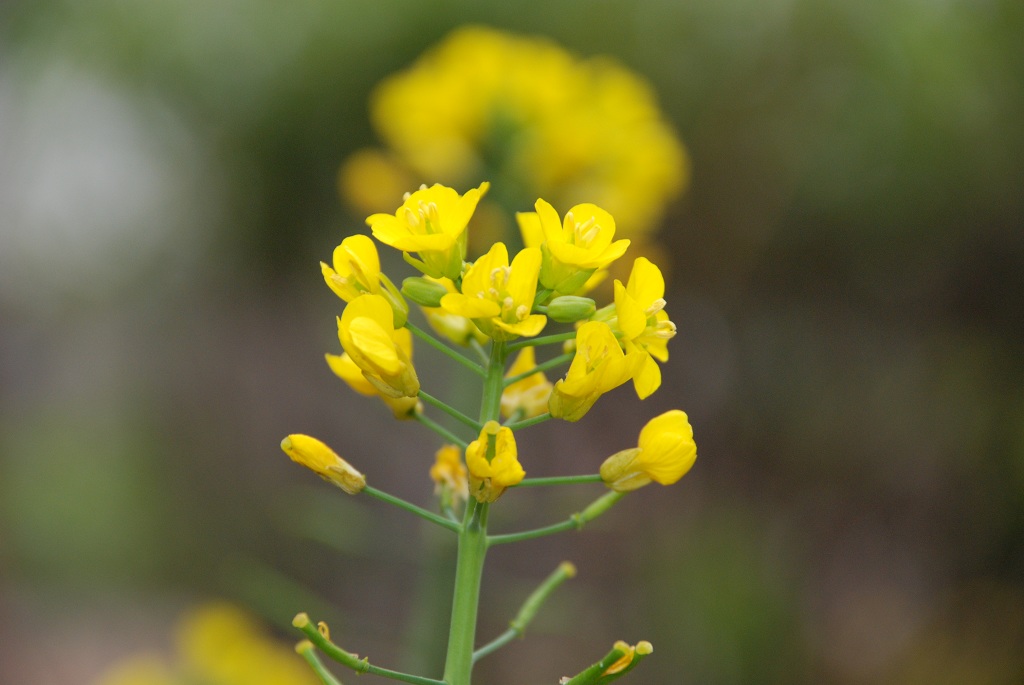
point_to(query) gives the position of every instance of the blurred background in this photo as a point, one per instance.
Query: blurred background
(845, 257)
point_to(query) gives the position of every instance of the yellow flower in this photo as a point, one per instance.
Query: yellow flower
(458, 329)
(599, 366)
(449, 474)
(432, 223)
(499, 296)
(664, 453)
(573, 248)
(493, 462)
(529, 395)
(367, 333)
(357, 272)
(356, 268)
(565, 128)
(640, 308)
(346, 369)
(321, 459)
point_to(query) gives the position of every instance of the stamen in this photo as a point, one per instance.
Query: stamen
(522, 311)
(655, 307)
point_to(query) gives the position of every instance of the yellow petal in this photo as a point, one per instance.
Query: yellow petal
(632, 317)
(373, 342)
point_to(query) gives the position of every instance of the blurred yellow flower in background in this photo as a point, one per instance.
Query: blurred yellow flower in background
(488, 104)
(217, 644)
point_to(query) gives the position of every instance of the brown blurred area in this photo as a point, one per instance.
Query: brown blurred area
(845, 270)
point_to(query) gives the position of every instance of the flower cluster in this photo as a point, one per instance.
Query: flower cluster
(494, 314)
(484, 103)
(509, 302)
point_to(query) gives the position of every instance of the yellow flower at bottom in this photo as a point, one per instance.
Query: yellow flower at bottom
(321, 459)
(664, 453)
(493, 462)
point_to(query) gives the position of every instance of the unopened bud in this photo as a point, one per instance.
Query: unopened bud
(570, 308)
(424, 291)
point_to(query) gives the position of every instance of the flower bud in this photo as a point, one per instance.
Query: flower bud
(665, 452)
(424, 291)
(570, 308)
(321, 459)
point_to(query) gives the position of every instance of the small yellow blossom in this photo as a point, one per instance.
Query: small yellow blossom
(640, 307)
(664, 453)
(599, 366)
(458, 329)
(432, 223)
(346, 369)
(449, 474)
(573, 248)
(499, 296)
(493, 462)
(367, 333)
(356, 268)
(321, 459)
(530, 395)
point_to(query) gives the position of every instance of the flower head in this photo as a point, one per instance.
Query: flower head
(664, 453)
(573, 248)
(598, 367)
(498, 295)
(493, 462)
(640, 307)
(432, 223)
(321, 459)
(367, 333)
(528, 396)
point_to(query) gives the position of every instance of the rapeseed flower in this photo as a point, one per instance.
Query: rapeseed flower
(493, 462)
(498, 296)
(573, 248)
(431, 223)
(664, 453)
(527, 397)
(356, 272)
(321, 459)
(598, 366)
(640, 308)
(367, 333)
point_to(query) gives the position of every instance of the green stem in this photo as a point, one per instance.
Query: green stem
(469, 566)
(526, 423)
(413, 509)
(350, 660)
(465, 603)
(308, 652)
(542, 340)
(444, 349)
(543, 366)
(449, 410)
(574, 522)
(560, 480)
(441, 430)
(529, 609)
